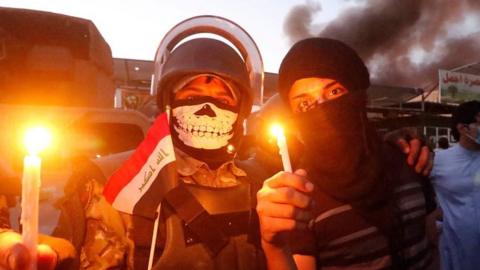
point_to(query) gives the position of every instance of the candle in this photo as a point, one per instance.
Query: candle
(36, 139)
(30, 196)
(277, 131)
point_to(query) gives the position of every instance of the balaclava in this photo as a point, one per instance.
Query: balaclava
(342, 149)
(204, 127)
(340, 145)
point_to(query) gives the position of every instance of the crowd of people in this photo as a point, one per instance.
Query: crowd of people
(353, 201)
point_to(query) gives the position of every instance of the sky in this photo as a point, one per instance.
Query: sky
(134, 29)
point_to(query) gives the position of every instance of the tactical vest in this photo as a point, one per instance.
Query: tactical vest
(203, 228)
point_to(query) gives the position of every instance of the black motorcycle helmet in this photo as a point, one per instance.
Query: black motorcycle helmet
(205, 56)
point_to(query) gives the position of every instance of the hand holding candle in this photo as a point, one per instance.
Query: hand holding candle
(36, 140)
(277, 131)
(280, 194)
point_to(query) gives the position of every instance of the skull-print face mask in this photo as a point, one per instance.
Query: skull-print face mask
(203, 127)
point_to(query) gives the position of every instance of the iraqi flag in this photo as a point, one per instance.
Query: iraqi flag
(139, 185)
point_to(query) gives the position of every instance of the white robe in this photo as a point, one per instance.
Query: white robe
(456, 179)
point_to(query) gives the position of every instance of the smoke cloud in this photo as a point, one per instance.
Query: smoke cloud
(404, 42)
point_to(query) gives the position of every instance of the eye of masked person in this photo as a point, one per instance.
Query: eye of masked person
(305, 94)
(208, 86)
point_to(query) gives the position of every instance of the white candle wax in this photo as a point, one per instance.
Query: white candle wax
(283, 150)
(30, 200)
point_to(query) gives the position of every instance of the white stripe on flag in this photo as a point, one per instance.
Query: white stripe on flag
(135, 189)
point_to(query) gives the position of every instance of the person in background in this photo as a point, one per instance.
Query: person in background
(206, 85)
(456, 180)
(443, 143)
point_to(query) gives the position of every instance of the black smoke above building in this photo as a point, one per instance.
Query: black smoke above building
(388, 33)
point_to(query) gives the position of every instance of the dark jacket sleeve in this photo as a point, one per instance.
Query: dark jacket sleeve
(428, 191)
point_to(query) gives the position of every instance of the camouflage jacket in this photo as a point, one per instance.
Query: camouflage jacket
(103, 236)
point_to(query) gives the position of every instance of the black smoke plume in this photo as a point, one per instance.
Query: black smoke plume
(386, 33)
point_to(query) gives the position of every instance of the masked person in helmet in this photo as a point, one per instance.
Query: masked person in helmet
(206, 85)
(354, 203)
(206, 221)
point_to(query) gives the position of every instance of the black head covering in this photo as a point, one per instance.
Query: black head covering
(343, 155)
(325, 58)
(341, 148)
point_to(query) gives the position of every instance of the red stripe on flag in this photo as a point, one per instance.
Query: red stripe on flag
(134, 164)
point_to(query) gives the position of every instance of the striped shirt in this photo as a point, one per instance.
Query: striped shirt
(341, 238)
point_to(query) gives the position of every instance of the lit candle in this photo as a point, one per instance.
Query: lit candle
(277, 131)
(36, 139)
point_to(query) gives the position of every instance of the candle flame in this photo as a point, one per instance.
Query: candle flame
(37, 139)
(277, 130)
